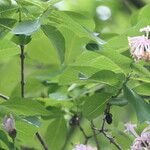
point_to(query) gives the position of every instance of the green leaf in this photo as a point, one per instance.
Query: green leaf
(56, 134)
(7, 8)
(61, 19)
(92, 46)
(21, 39)
(26, 107)
(120, 60)
(26, 134)
(143, 89)
(144, 13)
(94, 105)
(141, 107)
(44, 53)
(57, 40)
(106, 76)
(118, 102)
(10, 70)
(73, 45)
(5, 25)
(96, 61)
(8, 48)
(26, 27)
(4, 139)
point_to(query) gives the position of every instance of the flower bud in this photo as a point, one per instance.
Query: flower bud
(9, 126)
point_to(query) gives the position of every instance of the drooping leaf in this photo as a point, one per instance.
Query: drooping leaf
(57, 40)
(141, 107)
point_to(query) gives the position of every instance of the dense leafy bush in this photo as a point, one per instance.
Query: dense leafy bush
(77, 86)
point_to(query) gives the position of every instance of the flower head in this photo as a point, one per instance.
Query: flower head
(140, 45)
(141, 142)
(84, 147)
(9, 126)
(130, 128)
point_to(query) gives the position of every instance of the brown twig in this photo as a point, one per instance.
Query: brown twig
(104, 131)
(84, 134)
(41, 141)
(22, 57)
(95, 135)
(112, 140)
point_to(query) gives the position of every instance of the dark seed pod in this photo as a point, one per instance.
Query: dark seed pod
(74, 121)
(12, 133)
(108, 118)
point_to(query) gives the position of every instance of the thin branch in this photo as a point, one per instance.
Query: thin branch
(22, 57)
(85, 135)
(112, 140)
(95, 136)
(41, 141)
(104, 131)
(4, 97)
(81, 129)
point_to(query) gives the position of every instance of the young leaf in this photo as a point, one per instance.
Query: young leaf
(141, 107)
(26, 27)
(56, 38)
(21, 39)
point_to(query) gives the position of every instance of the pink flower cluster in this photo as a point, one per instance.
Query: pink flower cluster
(84, 147)
(140, 45)
(142, 141)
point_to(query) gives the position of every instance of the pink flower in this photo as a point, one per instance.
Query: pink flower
(141, 142)
(9, 126)
(140, 45)
(84, 147)
(8, 123)
(130, 128)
